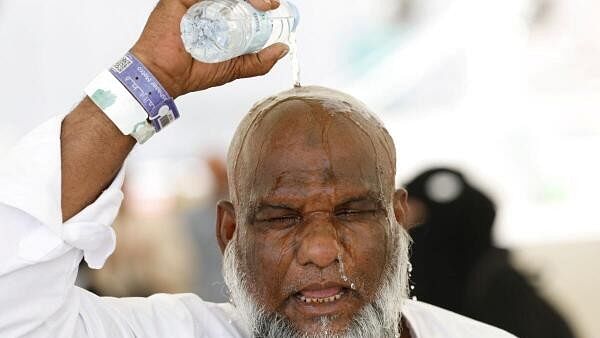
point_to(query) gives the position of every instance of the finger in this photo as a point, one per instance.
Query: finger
(241, 67)
(188, 3)
(259, 63)
(264, 5)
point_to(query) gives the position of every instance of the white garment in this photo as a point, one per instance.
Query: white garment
(39, 258)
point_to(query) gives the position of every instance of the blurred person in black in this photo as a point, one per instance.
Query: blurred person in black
(456, 265)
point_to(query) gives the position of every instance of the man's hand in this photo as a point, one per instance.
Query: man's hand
(161, 50)
(93, 149)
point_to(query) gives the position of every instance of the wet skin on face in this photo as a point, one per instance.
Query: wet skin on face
(312, 203)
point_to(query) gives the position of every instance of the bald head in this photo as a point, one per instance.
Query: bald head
(315, 123)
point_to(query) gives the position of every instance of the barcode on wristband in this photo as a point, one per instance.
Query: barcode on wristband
(122, 64)
(166, 120)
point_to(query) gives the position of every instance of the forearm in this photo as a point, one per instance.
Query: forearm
(92, 151)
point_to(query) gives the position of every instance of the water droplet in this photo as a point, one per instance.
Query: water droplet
(410, 267)
(352, 286)
(341, 267)
(412, 287)
(414, 297)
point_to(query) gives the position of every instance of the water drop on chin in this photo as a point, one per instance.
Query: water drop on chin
(412, 287)
(352, 286)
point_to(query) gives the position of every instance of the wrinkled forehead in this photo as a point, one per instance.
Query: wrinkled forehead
(306, 139)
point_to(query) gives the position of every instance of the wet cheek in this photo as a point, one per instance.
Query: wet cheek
(268, 261)
(366, 258)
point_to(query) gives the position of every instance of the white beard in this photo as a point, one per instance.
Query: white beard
(380, 319)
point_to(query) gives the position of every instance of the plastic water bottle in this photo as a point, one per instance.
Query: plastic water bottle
(219, 30)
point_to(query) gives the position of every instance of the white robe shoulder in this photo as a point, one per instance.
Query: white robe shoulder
(428, 321)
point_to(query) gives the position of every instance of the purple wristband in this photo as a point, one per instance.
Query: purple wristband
(147, 91)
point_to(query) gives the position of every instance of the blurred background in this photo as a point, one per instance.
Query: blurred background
(504, 91)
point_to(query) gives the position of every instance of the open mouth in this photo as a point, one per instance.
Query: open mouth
(321, 296)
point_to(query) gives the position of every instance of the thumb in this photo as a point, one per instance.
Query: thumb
(259, 63)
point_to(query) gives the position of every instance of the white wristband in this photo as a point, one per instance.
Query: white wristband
(120, 106)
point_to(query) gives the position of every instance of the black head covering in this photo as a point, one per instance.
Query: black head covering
(456, 232)
(455, 265)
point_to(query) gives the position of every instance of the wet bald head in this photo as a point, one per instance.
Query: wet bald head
(324, 127)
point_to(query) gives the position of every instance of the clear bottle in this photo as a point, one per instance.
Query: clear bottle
(219, 30)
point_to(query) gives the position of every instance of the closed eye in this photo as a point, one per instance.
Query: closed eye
(271, 215)
(349, 213)
(287, 220)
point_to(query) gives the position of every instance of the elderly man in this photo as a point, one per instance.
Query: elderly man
(312, 233)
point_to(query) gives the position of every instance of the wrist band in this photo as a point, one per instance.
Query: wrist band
(120, 107)
(146, 89)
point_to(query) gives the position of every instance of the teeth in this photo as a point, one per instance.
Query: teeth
(309, 300)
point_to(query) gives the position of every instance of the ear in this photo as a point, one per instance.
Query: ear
(401, 207)
(225, 223)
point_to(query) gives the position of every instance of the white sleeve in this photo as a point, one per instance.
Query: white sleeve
(39, 256)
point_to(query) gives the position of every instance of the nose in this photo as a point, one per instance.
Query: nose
(319, 244)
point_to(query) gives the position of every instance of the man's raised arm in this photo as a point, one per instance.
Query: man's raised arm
(93, 149)
(59, 189)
